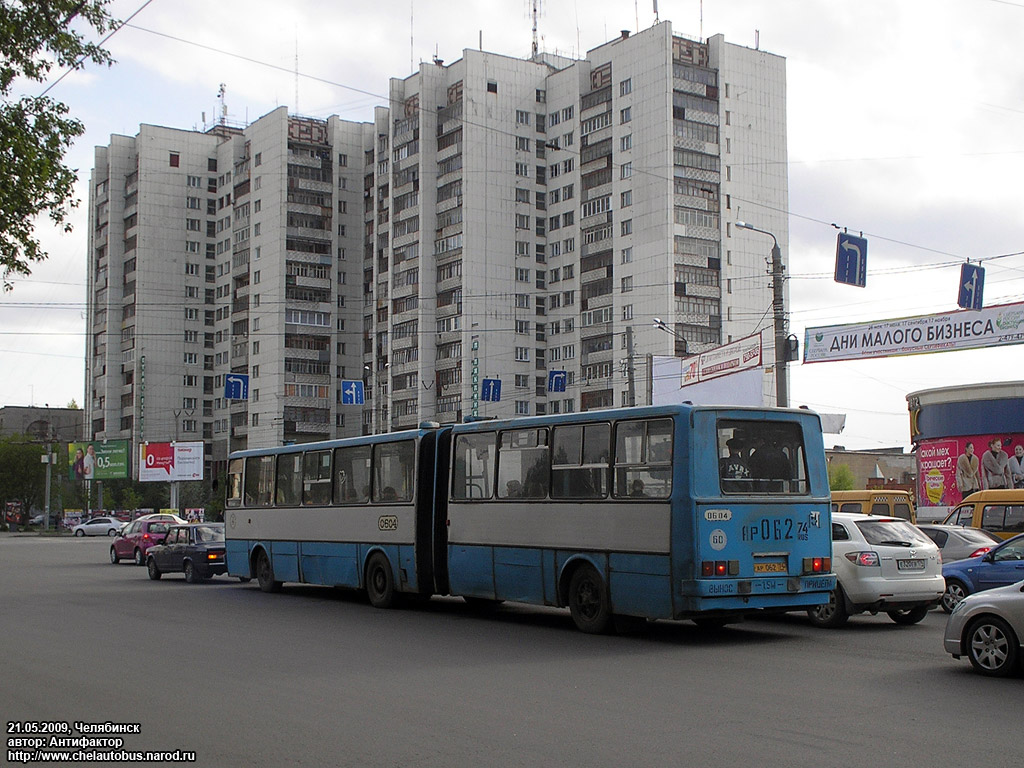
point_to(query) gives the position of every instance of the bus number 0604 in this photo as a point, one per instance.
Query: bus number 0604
(387, 523)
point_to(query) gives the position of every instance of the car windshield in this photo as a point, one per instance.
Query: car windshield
(895, 533)
(209, 533)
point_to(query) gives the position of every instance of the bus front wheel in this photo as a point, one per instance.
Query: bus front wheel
(380, 583)
(588, 601)
(265, 573)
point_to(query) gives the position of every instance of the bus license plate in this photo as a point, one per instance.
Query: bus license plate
(769, 567)
(910, 565)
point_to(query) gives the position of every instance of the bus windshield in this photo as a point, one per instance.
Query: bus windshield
(761, 457)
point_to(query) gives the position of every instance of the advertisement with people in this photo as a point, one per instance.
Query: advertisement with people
(98, 460)
(954, 467)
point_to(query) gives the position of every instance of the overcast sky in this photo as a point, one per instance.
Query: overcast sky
(905, 123)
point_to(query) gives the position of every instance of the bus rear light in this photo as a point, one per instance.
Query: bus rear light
(862, 558)
(817, 564)
(720, 568)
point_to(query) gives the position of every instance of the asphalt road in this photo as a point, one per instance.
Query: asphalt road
(315, 676)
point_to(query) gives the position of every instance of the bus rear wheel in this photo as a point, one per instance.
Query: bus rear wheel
(588, 601)
(380, 582)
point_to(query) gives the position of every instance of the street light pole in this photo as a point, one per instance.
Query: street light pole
(779, 311)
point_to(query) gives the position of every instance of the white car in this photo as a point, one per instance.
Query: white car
(988, 628)
(882, 564)
(98, 526)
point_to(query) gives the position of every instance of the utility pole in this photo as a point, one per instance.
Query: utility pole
(779, 311)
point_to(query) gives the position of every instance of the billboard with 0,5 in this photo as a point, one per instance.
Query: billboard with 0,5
(98, 460)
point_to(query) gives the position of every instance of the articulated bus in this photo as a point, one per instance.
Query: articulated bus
(659, 512)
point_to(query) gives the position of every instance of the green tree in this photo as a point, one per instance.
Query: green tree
(36, 131)
(840, 477)
(22, 473)
(73, 405)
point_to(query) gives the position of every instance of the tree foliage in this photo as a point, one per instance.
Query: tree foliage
(840, 477)
(36, 131)
(22, 473)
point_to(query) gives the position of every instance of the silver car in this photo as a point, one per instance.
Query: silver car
(987, 628)
(958, 543)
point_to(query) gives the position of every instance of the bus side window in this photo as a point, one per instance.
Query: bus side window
(992, 517)
(580, 461)
(523, 464)
(289, 480)
(316, 478)
(394, 471)
(352, 475)
(259, 481)
(473, 466)
(235, 482)
(643, 459)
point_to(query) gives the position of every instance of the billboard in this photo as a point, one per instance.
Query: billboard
(945, 332)
(947, 472)
(163, 462)
(98, 460)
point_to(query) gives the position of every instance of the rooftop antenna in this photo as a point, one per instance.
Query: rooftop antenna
(656, 19)
(411, 5)
(296, 69)
(221, 97)
(535, 11)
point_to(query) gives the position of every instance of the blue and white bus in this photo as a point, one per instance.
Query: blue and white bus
(661, 512)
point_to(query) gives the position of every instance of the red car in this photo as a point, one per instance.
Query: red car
(135, 539)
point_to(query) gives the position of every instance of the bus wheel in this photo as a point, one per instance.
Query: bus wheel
(588, 601)
(833, 613)
(265, 573)
(380, 583)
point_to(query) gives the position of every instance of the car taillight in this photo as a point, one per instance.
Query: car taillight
(817, 564)
(145, 536)
(862, 558)
(979, 551)
(720, 568)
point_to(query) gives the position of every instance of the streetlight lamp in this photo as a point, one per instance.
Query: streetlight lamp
(661, 325)
(779, 307)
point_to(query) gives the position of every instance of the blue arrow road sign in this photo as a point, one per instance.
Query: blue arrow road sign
(556, 381)
(491, 390)
(236, 386)
(972, 286)
(851, 259)
(352, 392)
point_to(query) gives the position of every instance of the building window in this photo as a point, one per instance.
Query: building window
(627, 255)
(175, 159)
(255, 347)
(626, 198)
(626, 86)
(627, 227)
(522, 117)
(492, 87)
(191, 358)
(191, 269)
(523, 354)
(523, 169)
(625, 115)
(627, 284)
(522, 407)
(627, 312)
(626, 171)
(626, 142)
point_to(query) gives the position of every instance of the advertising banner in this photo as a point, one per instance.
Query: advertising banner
(947, 332)
(163, 462)
(98, 460)
(947, 471)
(734, 357)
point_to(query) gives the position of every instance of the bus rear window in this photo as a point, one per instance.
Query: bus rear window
(761, 457)
(235, 482)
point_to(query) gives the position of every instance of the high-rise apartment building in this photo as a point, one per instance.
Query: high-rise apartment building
(518, 221)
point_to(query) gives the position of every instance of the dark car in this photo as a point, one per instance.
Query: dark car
(999, 567)
(197, 550)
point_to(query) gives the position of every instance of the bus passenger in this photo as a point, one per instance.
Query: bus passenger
(514, 489)
(636, 491)
(733, 468)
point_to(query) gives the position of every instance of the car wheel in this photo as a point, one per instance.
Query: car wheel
(114, 558)
(265, 573)
(992, 647)
(909, 615)
(588, 601)
(956, 591)
(112, 532)
(191, 573)
(154, 572)
(79, 532)
(139, 559)
(380, 582)
(833, 613)
(244, 579)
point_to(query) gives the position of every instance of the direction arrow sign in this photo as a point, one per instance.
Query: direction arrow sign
(352, 392)
(851, 259)
(972, 286)
(557, 380)
(236, 386)
(491, 390)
